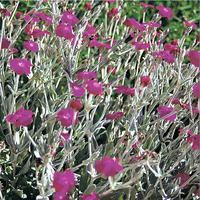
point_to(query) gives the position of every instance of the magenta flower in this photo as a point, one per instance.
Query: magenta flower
(97, 44)
(140, 45)
(194, 58)
(60, 195)
(198, 193)
(20, 66)
(111, 1)
(114, 115)
(196, 90)
(145, 81)
(184, 177)
(174, 42)
(45, 17)
(113, 71)
(27, 29)
(88, 6)
(63, 182)
(31, 46)
(113, 12)
(66, 136)
(198, 37)
(37, 32)
(93, 87)
(124, 89)
(189, 132)
(165, 11)
(194, 109)
(77, 89)
(90, 31)
(34, 19)
(151, 24)
(18, 15)
(171, 48)
(93, 196)
(175, 101)
(163, 110)
(66, 117)
(5, 12)
(135, 146)
(21, 117)
(132, 22)
(146, 5)
(108, 167)
(65, 31)
(76, 104)
(190, 24)
(5, 43)
(86, 75)
(168, 57)
(68, 18)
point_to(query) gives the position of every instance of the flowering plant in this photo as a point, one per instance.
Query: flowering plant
(97, 102)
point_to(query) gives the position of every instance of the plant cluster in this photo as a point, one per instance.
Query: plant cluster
(94, 110)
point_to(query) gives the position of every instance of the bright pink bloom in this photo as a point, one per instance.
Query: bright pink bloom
(135, 146)
(190, 24)
(31, 46)
(5, 43)
(63, 182)
(198, 193)
(194, 109)
(93, 87)
(108, 167)
(27, 29)
(65, 31)
(113, 71)
(37, 32)
(60, 195)
(66, 136)
(22, 117)
(90, 31)
(194, 56)
(195, 141)
(198, 37)
(145, 81)
(165, 11)
(114, 115)
(175, 101)
(5, 12)
(146, 5)
(97, 44)
(163, 110)
(140, 45)
(184, 177)
(34, 19)
(86, 75)
(151, 24)
(76, 104)
(77, 89)
(66, 117)
(132, 22)
(20, 66)
(111, 1)
(189, 132)
(174, 42)
(124, 89)
(196, 90)
(88, 6)
(113, 12)
(93, 196)
(14, 50)
(168, 57)
(68, 18)
(171, 48)
(18, 15)
(45, 16)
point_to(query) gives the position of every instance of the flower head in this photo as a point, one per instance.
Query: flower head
(60, 195)
(66, 136)
(151, 24)
(146, 5)
(196, 90)
(93, 87)
(86, 75)
(140, 45)
(163, 110)
(66, 117)
(76, 104)
(125, 90)
(189, 132)
(5, 43)
(184, 177)
(190, 24)
(113, 71)
(63, 182)
(31, 46)
(69, 18)
(108, 167)
(5, 12)
(171, 48)
(195, 141)
(113, 12)
(21, 117)
(174, 42)
(166, 55)
(20, 66)
(34, 19)
(198, 37)
(65, 31)
(77, 89)
(194, 58)
(93, 196)
(45, 16)
(145, 81)
(114, 115)
(165, 11)
(18, 15)
(111, 1)
(88, 6)
(132, 22)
